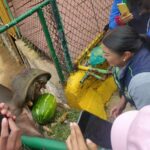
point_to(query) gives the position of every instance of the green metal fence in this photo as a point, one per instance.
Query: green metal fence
(82, 21)
(46, 32)
(72, 25)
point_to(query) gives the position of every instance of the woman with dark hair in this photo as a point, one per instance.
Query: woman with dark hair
(129, 53)
(139, 18)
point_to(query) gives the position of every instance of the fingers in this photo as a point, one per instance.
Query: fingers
(74, 137)
(69, 144)
(112, 113)
(80, 139)
(12, 125)
(1, 106)
(4, 110)
(115, 114)
(10, 141)
(4, 134)
(4, 128)
(91, 145)
(124, 14)
(127, 17)
(14, 139)
(125, 20)
(76, 141)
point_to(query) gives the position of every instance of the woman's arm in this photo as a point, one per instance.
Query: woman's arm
(118, 109)
(139, 89)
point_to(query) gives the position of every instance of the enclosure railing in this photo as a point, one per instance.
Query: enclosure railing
(39, 11)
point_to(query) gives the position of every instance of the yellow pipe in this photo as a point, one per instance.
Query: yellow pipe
(5, 18)
(83, 68)
(87, 50)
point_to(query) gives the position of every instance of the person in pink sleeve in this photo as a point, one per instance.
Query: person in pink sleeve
(130, 131)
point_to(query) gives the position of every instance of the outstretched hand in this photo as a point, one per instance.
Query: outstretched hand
(125, 18)
(4, 110)
(10, 134)
(10, 138)
(76, 141)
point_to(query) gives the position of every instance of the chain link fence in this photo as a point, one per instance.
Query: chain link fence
(82, 20)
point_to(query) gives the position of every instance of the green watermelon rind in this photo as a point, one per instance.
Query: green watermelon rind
(39, 113)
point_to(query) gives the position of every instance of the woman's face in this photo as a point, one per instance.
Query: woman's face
(115, 59)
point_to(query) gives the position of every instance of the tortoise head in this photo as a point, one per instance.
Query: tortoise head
(26, 86)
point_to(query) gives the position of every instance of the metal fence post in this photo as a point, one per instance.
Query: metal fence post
(50, 45)
(23, 16)
(38, 9)
(61, 34)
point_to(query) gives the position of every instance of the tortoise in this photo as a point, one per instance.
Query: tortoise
(25, 88)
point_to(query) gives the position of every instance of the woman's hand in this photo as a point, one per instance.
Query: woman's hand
(76, 141)
(125, 18)
(10, 137)
(12, 140)
(4, 110)
(117, 110)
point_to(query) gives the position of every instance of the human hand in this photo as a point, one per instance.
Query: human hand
(117, 110)
(125, 18)
(76, 141)
(12, 140)
(4, 110)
